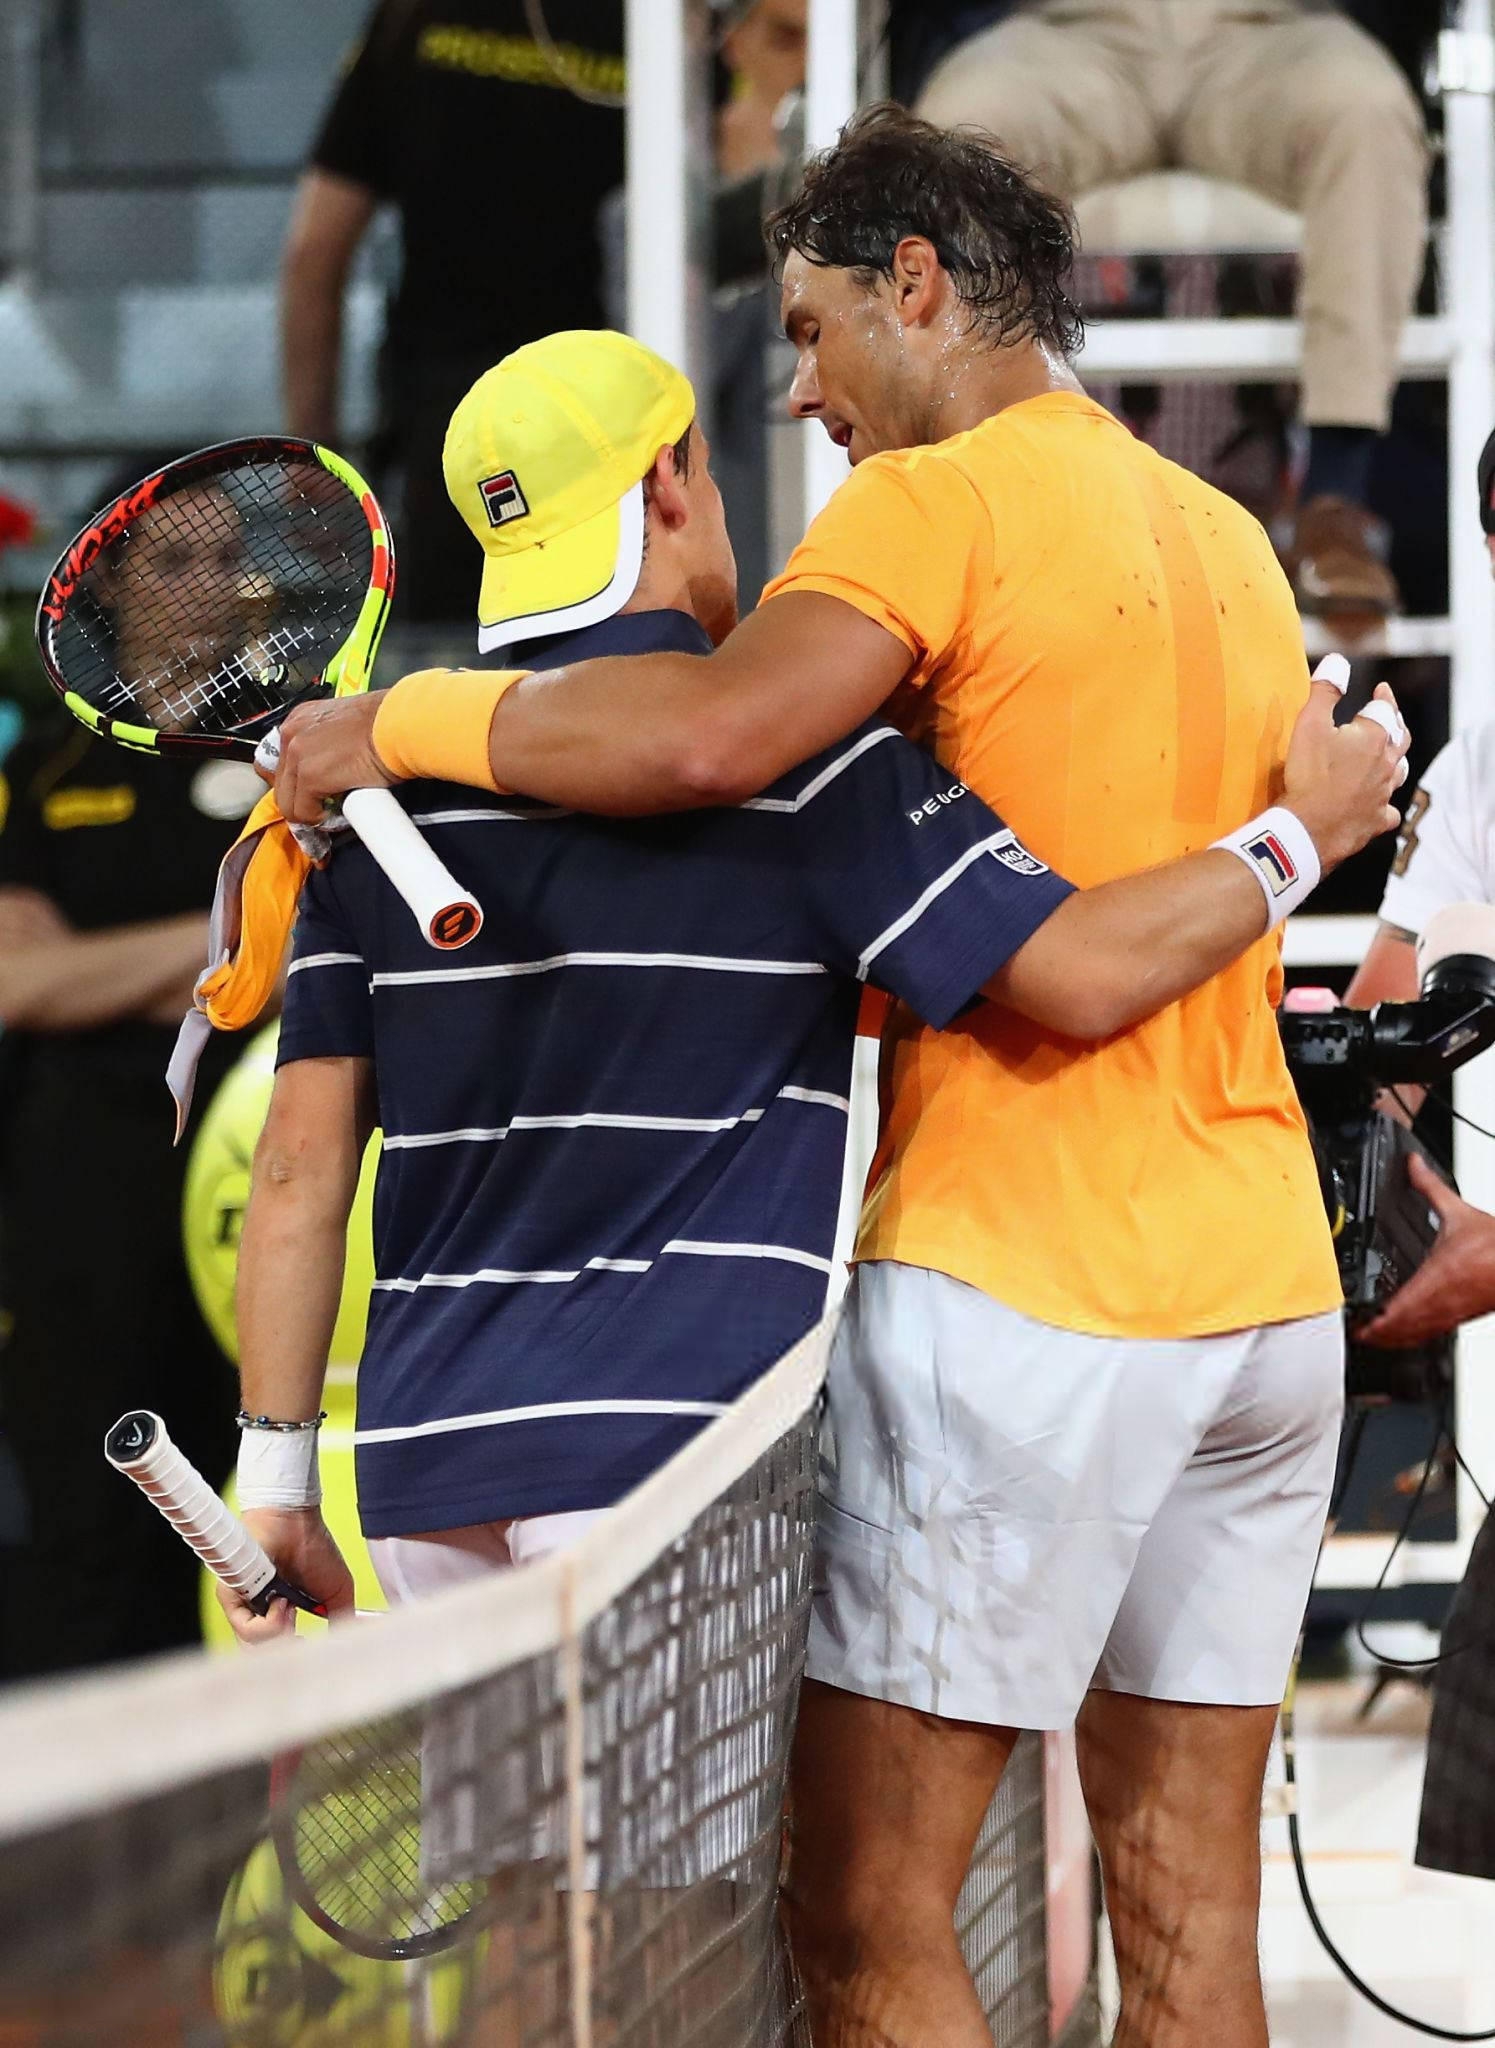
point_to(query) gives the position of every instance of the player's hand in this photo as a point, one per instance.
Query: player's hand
(1339, 779)
(325, 750)
(301, 1547)
(1454, 1283)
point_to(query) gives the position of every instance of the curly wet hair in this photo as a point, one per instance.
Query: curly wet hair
(1006, 244)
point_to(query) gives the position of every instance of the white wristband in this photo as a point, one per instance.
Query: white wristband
(278, 1469)
(1279, 850)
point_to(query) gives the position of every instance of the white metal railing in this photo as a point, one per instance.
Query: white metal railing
(1231, 351)
(830, 101)
(669, 181)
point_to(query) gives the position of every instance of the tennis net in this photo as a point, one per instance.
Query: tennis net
(542, 1811)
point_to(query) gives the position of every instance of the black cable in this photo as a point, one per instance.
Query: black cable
(1434, 1151)
(1290, 1769)
(1445, 1097)
(1326, 1942)
(1462, 1464)
(1289, 1704)
(1440, 1431)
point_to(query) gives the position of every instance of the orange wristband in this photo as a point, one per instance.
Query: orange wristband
(435, 724)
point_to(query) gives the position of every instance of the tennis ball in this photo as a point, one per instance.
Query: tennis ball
(217, 1192)
(280, 1982)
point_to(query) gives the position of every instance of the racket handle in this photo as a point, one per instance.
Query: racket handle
(138, 1445)
(446, 914)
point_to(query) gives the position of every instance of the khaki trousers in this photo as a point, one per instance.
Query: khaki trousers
(1291, 100)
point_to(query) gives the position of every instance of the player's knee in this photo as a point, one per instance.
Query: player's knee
(985, 82)
(841, 1925)
(852, 1949)
(1367, 110)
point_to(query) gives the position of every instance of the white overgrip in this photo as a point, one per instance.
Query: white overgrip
(446, 914)
(194, 1510)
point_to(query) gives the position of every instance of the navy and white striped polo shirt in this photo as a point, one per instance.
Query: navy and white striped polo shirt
(614, 1125)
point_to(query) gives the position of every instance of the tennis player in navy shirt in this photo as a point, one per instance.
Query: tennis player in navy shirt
(615, 1125)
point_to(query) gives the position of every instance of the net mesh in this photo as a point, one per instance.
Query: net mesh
(1001, 1916)
(578, 1845)
(217, 602)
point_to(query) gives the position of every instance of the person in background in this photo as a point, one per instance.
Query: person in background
(1286, 96)
(497, 144)
(1445, 855)
(107, 867)
(764, 44)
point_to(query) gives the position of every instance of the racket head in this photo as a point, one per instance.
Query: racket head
(345, 1819)
(203, 603)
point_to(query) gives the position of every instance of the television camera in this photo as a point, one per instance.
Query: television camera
(1343, 1062)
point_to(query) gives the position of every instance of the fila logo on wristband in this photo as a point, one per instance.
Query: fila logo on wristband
(503, 500)
(1279, 850)
(1272, 861)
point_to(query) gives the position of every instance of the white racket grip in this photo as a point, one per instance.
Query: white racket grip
(446, 914)
(139, 1446)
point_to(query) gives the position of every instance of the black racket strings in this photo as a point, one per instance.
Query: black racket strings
(223, 601)
(348, 1818)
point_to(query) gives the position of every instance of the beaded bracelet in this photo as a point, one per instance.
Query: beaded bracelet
(247, 1421)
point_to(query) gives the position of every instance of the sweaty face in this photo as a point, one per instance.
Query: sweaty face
(711, 565)
(854, 374)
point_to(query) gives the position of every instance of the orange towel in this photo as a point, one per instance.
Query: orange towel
(254, 908)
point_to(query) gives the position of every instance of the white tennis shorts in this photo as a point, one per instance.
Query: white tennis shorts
(690, 1778)
(1013, 1513)
(474, 1786)
(415, 1567)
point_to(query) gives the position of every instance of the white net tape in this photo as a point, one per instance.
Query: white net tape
(542, 1811)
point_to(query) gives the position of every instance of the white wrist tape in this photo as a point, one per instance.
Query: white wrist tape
(1280, 852)
(278, 1469)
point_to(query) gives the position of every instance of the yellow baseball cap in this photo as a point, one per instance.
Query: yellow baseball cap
(545, 459)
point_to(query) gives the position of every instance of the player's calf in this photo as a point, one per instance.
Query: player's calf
(1174, 1797)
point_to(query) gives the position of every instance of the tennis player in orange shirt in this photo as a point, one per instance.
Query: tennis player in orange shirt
(1087, 1390)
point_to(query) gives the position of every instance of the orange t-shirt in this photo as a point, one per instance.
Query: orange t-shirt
(1106, 650)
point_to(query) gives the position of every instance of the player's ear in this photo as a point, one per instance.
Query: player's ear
(665, 491)
(917, 280)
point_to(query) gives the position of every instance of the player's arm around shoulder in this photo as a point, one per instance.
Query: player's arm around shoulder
(874, 594)
(621, 736)
(290, 1279)
(1112, 955)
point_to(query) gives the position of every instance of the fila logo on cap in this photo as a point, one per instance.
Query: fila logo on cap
(502, 498)
(1272, 861)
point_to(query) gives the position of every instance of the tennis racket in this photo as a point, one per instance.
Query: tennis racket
(139, 1446)
(345, 1811)
(195, 611)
